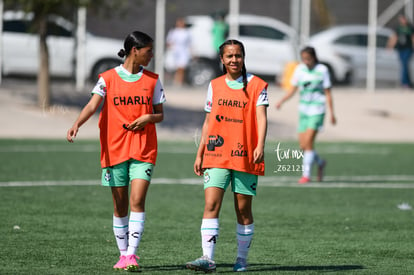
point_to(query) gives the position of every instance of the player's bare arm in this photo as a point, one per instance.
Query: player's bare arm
(261, 116)
(87, 111)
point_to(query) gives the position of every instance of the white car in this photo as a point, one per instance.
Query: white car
(269, 45)
(344, 50)
(20, 48)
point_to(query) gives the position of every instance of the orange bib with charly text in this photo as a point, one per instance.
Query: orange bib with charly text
(125, 102)
(232, 130)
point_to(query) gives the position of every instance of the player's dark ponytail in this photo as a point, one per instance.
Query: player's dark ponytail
(244, 71)
(135, 39)
(121, 53)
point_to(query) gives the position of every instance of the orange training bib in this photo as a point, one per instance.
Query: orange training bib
(125, 102)
(232, 130)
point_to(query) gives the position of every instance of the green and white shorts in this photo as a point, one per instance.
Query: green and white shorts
(310, 122)
(241, 182)
(122, 174)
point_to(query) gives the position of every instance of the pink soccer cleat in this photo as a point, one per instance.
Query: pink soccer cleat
(131, 264)
(121, 264)
(304, 180)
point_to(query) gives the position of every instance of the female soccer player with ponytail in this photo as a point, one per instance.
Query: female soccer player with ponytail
(132, 105)
(313, 81)
(231, 151)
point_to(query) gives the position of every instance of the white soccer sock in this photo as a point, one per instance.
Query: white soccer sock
(308, 158)
(136, 228)
(209, 235)
(244, 239)
(120, 227)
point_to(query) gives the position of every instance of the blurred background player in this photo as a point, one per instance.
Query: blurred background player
(179, 46)
(231, 151)
(133, 99)
(313, 81)
(219, 31)
(403, 40)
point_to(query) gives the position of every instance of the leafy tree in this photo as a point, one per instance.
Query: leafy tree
(41, 9)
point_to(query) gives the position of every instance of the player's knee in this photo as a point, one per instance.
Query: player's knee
(212, 207)
(303, 145)
(120, 210)
(244, 212)
(137, 204)
(245, 217)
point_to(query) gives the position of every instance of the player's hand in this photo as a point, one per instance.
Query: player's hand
(71, 134)
(278, 104)
(333, 120)
(258, 155)
(139, 123)
(198, 170)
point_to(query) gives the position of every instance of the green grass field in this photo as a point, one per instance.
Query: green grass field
(57, 219)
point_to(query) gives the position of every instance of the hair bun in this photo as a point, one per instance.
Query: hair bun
(121, 53)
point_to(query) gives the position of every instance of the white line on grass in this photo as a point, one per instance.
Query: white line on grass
(48, 148)
(350, 149)
(47, 183)
(180, 149)
(387, 182)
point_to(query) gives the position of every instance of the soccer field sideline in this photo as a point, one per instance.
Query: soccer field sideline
(373, 181)
(271, 148)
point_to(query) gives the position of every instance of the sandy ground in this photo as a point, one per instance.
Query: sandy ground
(386, 115)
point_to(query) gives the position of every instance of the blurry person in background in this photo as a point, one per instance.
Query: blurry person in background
(220, 30)
(313, 81)
(402, 40)
(179, 47)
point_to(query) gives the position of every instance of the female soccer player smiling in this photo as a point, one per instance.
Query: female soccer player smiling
(231, 151)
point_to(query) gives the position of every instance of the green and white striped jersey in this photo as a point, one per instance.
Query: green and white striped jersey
(311, 85)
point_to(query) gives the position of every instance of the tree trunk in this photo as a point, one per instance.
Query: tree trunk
(43, 73)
